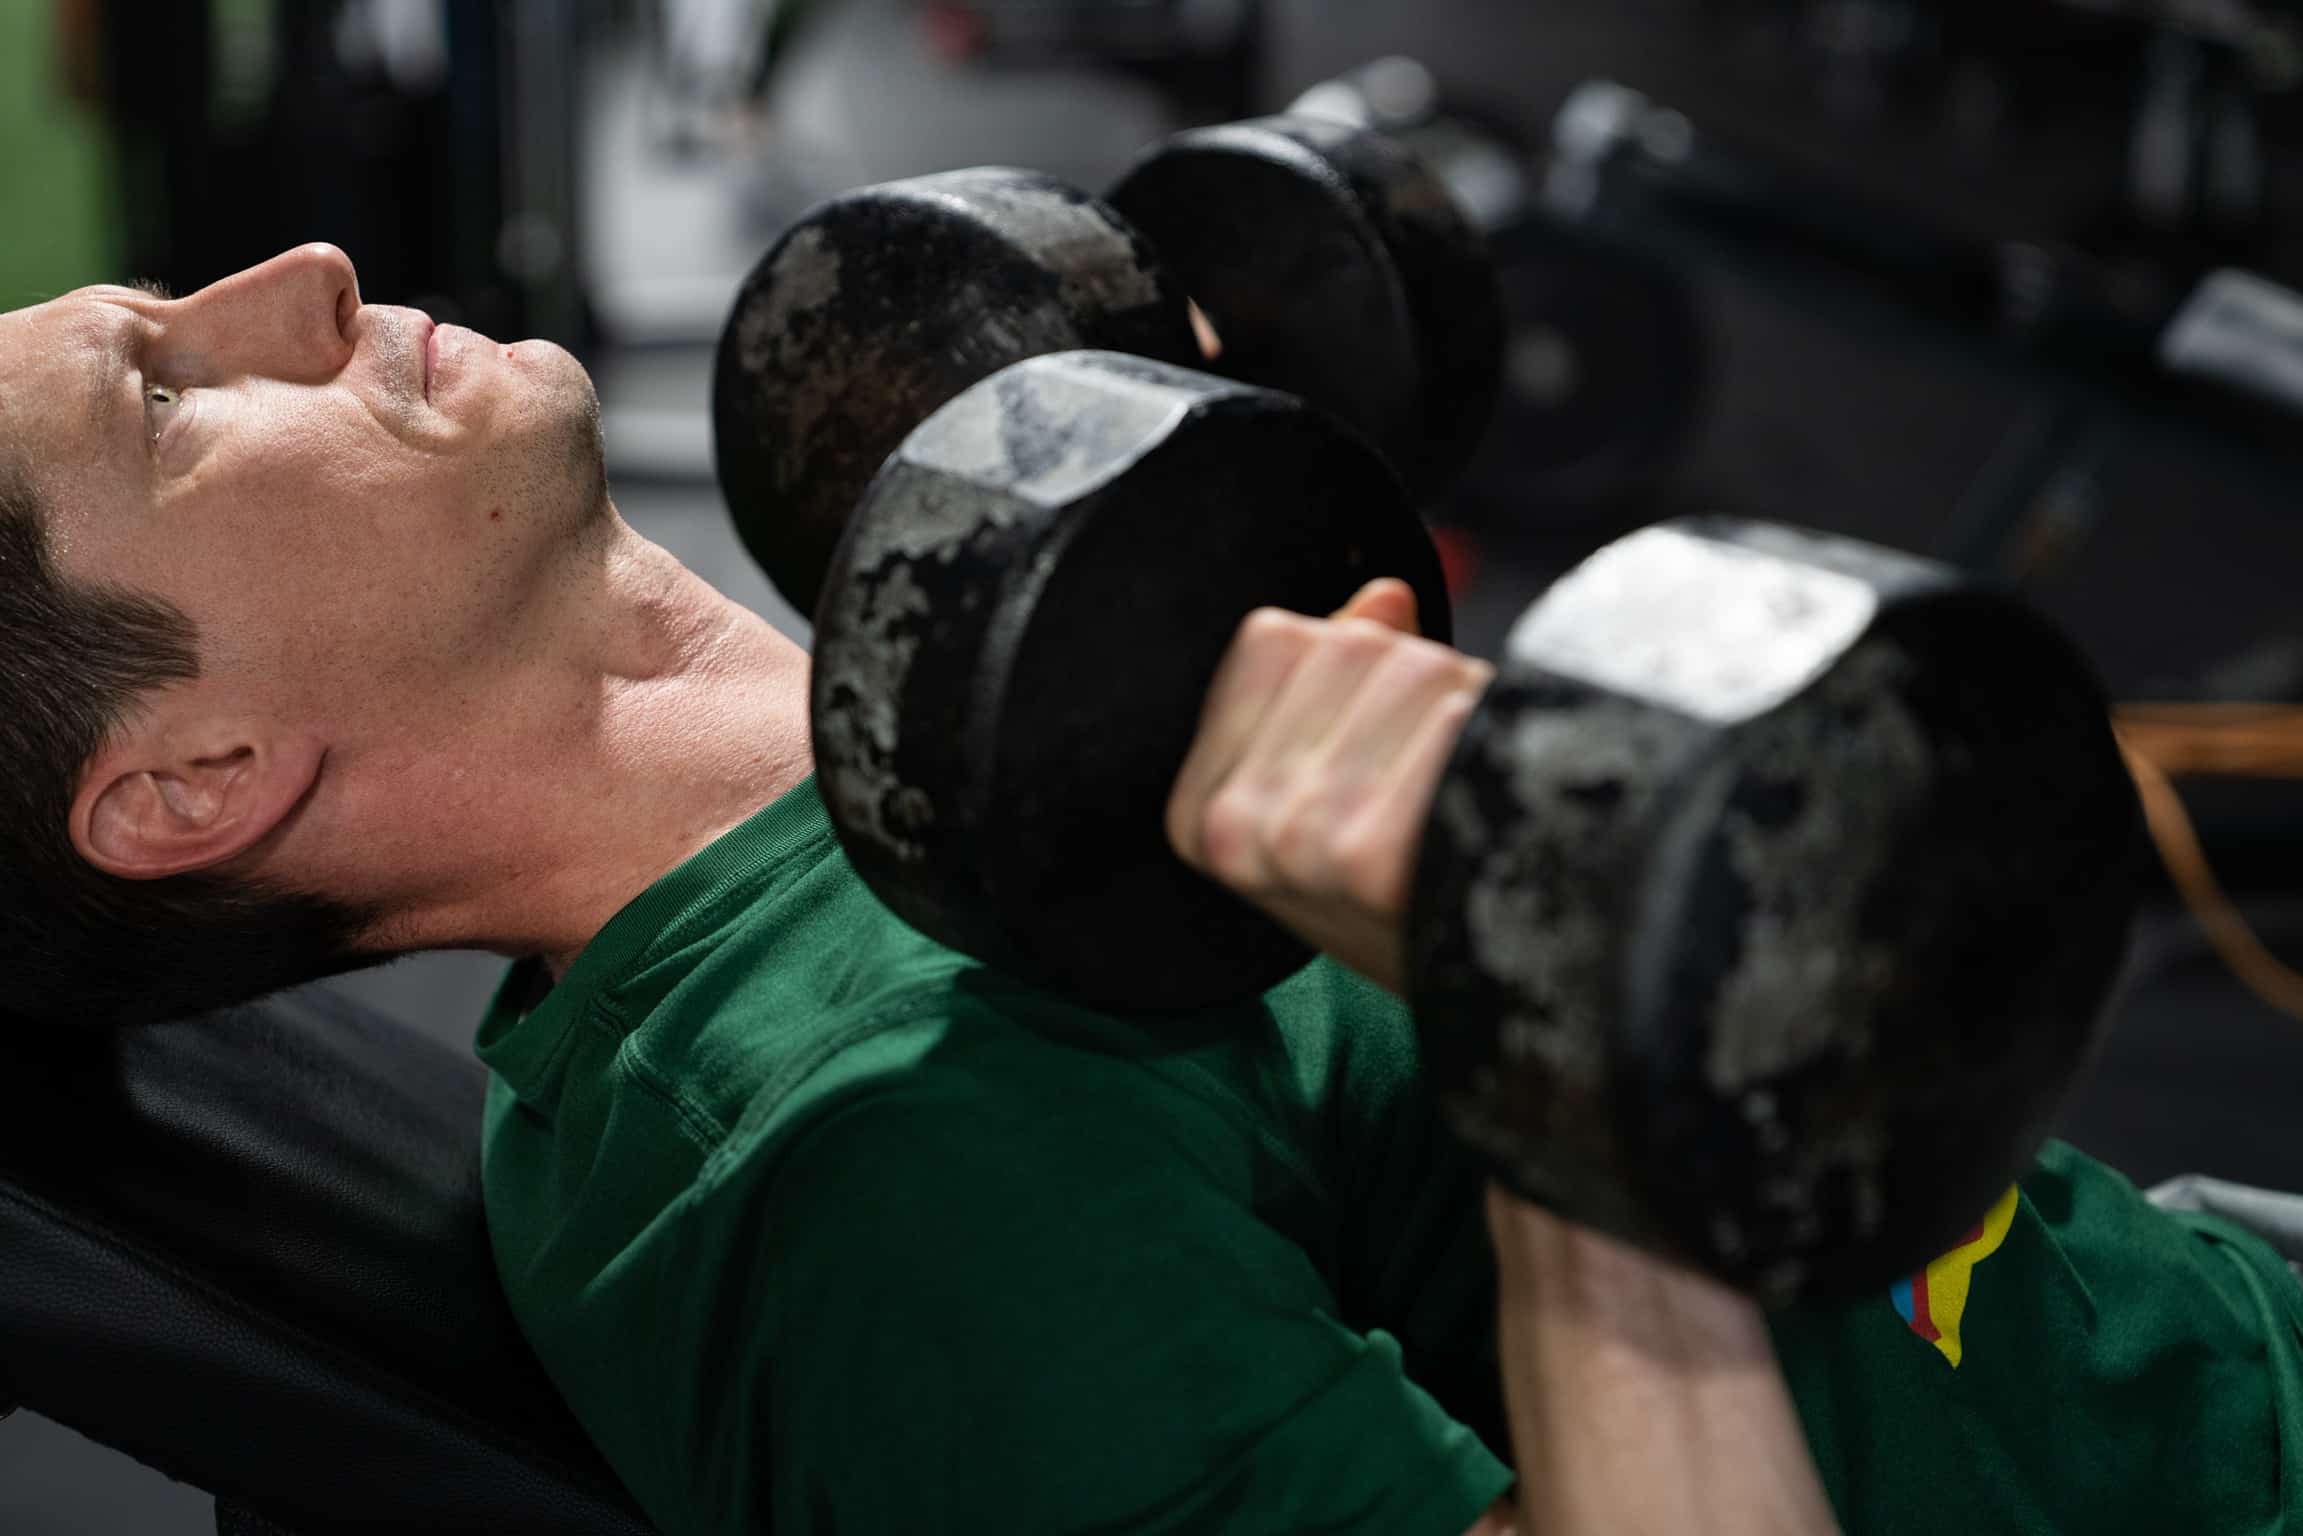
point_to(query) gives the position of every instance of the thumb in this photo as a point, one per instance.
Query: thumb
(1388, 601)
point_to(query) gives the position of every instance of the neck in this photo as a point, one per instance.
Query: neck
(670, 717)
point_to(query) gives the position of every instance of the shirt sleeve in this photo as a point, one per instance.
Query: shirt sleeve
(957, 1313)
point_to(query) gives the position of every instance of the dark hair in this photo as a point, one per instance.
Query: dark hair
(79, 947)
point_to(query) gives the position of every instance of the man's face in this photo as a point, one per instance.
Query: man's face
(348, 503)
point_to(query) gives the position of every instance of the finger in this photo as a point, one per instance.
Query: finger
(1346, 782)
(1270, 823)
(1264, 652)
(1388, 601)
(1378, 851)
(1378, 725)
(1251, 769)
(1308, 710)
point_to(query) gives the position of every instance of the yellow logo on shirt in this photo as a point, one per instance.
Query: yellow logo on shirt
(1934, 1300)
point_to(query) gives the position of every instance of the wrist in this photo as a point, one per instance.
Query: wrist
(1615, 1296)
(1643, 1397)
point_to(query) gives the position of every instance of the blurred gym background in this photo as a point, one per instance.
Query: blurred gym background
(2003, 281)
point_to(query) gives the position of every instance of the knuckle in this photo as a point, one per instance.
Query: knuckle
(1426, 664)
(1360, 640)
(1298, 838)
(1231, 836)
(1370, 863)
(1272, 629)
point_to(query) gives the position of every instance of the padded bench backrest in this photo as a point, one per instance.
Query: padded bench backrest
(249, 1250)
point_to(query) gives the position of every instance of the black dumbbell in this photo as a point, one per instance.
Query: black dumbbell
(881, 305)
(1765, 910)
(1336, 266)
(1096, 499)
(1329, 261)
(1769, 904)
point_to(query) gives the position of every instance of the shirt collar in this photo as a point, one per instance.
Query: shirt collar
(523, 1035)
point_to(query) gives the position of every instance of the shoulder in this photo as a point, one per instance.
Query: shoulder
(2125, 1374)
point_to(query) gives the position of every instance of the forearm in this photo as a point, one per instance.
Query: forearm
(1642, 1397)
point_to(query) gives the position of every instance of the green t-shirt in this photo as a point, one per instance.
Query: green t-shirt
(820, 1227)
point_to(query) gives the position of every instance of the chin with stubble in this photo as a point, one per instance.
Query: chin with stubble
(587, 461)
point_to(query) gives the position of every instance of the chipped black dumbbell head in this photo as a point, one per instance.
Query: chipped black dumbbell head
(884, 303)
(1018, 635)
(1769, 904)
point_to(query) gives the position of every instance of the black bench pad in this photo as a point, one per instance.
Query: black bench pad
(249, 1250)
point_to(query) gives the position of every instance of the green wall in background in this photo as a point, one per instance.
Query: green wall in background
(57, 229)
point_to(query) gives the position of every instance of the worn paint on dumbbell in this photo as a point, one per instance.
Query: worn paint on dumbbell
(1064, 224)
(1037, 212)
(809, 273)
(1588, 774)
(1798, 999)
(1584, 769)
(1580, 766)
(1801, 957)
(860, 721)
(974, 468)
(1627, 620)
(1832, 849)
(1083, 534)
(1085, 421)
(879, 306)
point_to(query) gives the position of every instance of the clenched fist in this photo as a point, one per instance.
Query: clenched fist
(1319, 749)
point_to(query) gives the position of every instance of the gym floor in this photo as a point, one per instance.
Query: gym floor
(2195, 1075)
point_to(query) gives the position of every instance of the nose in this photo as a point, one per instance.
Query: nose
(291, 317)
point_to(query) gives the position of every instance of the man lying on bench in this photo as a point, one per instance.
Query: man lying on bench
(321, 642)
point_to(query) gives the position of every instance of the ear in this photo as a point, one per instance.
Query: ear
(173, 801)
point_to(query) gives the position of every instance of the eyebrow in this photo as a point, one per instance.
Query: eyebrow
(119, 348)
(119, 345)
